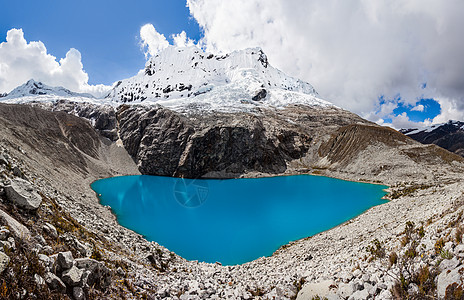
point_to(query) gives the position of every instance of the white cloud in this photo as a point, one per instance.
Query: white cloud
(181, 40)
(152, 41)
(450, 110)
(351, 51)
(419, 107)
(21, 61)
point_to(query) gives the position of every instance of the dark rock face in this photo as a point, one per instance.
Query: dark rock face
(449, 136)
(103, 118)
(260, 95)
(167, 143)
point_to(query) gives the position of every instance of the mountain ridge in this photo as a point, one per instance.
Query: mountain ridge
(37, 88)
(449, 135)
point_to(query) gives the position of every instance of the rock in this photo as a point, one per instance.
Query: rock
(3, 160)
(12, 243)
(345, 276)
(81, 248)
(370, 288)
(78, 293)
(17, 172)
(346, 289)
(385, 295)
(64, 260)
(260, 95)
(459, 250)
(55, 283)
(447, 278)
(50, 230)
(357, 273)
(359, 295)
(4, 261)
(46, 261)
(72, 276)
(4, 233)
(4, 244)
(98, 273)
(18, 229)
(22, 193)
(447, 264)
(322, 289)
(413, 289)
(39, 280)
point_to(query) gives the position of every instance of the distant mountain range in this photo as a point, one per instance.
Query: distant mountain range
(448, 135)
(35, 88)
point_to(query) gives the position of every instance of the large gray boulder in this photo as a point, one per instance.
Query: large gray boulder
(64, 260)
(23, 194)
(95, 272)
(447, 278)
(72, 277)
(4, 261)
(18, 229)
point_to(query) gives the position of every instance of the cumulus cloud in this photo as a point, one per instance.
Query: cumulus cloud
(351, 51)
(181, 40)
(419, 107)
(152, 41)
(21, 60)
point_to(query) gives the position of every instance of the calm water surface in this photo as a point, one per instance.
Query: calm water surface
(233, 221)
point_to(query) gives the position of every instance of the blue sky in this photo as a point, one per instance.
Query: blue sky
(105, 32)
(370, 57)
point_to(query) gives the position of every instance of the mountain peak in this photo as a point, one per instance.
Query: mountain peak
(190, 77)
(37, 88)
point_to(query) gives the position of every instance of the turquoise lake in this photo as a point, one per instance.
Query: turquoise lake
(233, 221)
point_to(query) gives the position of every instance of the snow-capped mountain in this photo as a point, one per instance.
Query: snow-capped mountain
(181, 78)
(188, 78)
(448, 135)
(35, 88)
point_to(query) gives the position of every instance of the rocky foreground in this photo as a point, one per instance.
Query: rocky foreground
(59, 242)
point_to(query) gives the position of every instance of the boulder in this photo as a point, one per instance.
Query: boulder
(18, 229)
(359, 295)
(3, 160)
(39, 280)
(95, 272)
(459, 250)
(448, 277)
(22, 193)
(321, 289)
(346, 289)
(4, 261)
(50, 230)
(55, 283)
(64, 260)
(78, 293)
(72, 276)
(447, 264)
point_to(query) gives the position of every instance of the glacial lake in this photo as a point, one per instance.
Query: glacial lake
(233, 221)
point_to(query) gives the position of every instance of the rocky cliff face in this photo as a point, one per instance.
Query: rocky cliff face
(167, 143)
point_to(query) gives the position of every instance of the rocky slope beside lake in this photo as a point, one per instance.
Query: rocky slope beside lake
(60, 155)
